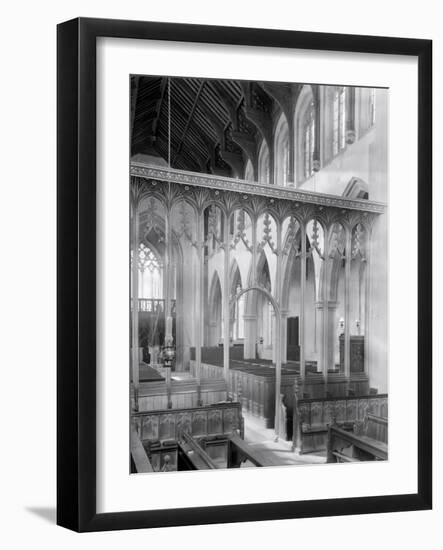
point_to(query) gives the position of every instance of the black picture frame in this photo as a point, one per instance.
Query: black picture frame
(76, 280)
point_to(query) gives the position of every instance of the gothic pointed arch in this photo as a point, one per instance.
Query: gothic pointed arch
(281, 152)
(304, 134)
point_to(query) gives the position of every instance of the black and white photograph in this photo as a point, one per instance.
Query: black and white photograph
(258, 265)
(221, 251)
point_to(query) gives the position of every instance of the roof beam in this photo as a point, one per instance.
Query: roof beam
(159, 106)
(134, 102)
(191, 116)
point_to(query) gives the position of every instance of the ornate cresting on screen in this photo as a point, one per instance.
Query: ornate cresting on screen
(253, 197)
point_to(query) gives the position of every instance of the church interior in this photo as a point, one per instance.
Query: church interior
(258, 267)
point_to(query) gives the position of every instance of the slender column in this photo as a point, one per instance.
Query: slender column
(226, 299)
(271, 165)
(325, 305)
(302, 299)
(291, 150)
(284, 337)
(179, 325)
(250, 318)
(332, 333)
(316, 156)
(350, 115)
(199, 293)
(347, 332)
(254, 251)
(278, 322)
(273, 336)
(135, 335)
(367, 297)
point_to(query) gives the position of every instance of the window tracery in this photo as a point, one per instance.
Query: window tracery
(150, 273)
(281, 148)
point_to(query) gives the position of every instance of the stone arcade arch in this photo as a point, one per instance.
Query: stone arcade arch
(267, 294)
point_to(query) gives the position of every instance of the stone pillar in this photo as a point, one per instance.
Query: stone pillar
(325, 296)
(302, 300)
(250, 319)
(350, 115)
(291, 150)
(332, 335)
(284, 337)
(278, 329)
(254, 251)
(200, 249)
(272, 179)
(367, 298)
(326, 313)
(274, 332)
(277, 377)
(135, 336)
(347, 332)
(226, 300)
(316, 156)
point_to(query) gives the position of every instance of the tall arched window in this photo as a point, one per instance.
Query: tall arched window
(263, 164)
(150, 273)
(339, 120)
(281, 152)
(304, 136)
(308, 140)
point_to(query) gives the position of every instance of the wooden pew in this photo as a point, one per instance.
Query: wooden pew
(169, 435)
(190, 456)
(239, 451)
(139, 459)
(168, 424)
(253, 385)
(192, 453)
(367, 441)
(159, 431)
(180, 394)
(312, 417)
